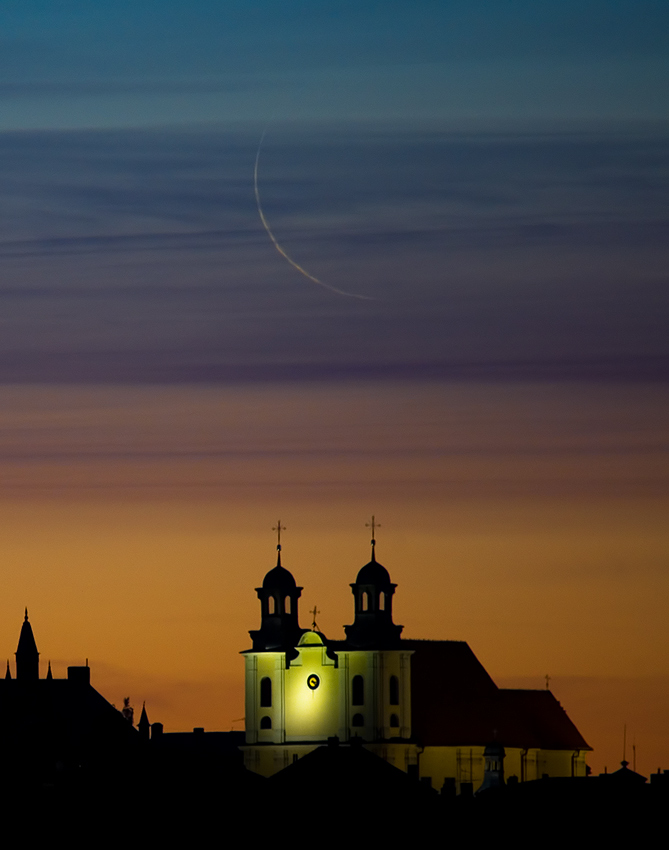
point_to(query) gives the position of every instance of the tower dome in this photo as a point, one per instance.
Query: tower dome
(279, 578)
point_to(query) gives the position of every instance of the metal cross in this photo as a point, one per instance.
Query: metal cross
(373, 525)
(278, 528)
(314, 627)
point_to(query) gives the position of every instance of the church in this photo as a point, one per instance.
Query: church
(426, 707)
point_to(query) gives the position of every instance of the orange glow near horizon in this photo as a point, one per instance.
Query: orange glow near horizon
(529, 521)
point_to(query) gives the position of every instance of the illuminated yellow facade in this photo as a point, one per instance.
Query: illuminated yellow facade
(302, 689)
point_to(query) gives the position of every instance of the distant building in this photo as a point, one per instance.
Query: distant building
(54, 730)
(426, 707)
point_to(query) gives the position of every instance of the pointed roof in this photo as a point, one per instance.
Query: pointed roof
(27, 645)
(8, 674)
(49, 674)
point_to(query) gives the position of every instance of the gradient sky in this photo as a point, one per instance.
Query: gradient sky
(493, 178)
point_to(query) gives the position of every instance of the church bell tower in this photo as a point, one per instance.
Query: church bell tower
(373, 591)
(279, 626)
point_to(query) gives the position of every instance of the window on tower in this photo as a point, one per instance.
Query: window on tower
(358, 720)
(266, 693)
(358, 691)
(394, 690)
(266, 722)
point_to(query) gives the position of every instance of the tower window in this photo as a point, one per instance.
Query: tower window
(394, 690)
(358, 691)
(394, 721)
(365, 601)
(286, 604)
(358, 720)
(382, 601)
(266, 722)
(266, 693)
(271, 605)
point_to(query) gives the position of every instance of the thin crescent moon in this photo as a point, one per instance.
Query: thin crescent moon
(280, 249)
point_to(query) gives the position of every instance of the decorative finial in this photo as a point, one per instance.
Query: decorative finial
(314, 626)
(278, 528)
(8, 674)
(25, 619)
(548, 681)
(373, 525)
(49, 674)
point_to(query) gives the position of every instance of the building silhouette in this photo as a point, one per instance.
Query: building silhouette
(58, 730)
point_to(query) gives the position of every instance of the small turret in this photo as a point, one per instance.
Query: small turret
(493, 757)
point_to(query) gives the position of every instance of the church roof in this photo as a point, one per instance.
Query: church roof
(454, 702)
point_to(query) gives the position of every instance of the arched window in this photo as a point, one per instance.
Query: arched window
(394, 690)
(382, 601)
(358, 720)
(365, 601)
(286, 604)
(394, 721)
(358, 691)
(266, 692)
(271, 605)
(266, 722)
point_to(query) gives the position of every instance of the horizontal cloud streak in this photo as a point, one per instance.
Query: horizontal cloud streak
(139, 257)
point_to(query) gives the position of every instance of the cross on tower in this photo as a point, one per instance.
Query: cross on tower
(314, 627)
(373, 525)
(278, 528)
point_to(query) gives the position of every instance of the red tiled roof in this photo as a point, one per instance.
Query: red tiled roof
(454, 702)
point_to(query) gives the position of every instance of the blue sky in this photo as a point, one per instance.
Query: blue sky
(83, 64)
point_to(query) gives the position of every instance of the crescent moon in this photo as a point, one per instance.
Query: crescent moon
(281, 251)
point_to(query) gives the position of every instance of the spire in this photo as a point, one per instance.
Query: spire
(373, 525)
(49, 674)
(27, 656)
(8, 674)
(278, 528)
(144, 726)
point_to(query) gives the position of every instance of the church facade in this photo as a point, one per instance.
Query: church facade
(427, 707)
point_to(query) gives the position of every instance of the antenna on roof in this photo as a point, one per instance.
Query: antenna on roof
(624, 761)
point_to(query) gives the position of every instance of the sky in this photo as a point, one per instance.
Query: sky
(491, 180)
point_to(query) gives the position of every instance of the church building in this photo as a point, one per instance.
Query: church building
(427, 707)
